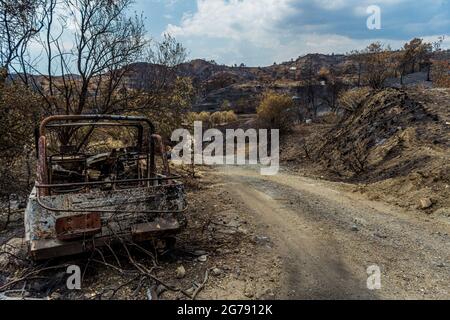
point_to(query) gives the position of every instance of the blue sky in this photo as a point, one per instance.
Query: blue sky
(260, 32)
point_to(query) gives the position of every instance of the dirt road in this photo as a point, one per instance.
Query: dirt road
(327, 236)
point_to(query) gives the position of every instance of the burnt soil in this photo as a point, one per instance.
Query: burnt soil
(395, 148)
(310, 232)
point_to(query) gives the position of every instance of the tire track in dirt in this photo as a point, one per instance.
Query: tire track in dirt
(327, 238)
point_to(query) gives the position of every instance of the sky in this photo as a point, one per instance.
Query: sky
(261, 32)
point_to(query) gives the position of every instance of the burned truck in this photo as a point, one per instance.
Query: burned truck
(100, 179)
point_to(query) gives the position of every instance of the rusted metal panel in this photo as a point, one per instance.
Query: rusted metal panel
(41, 229)
(78, 226)
(42, 172)
(122, 205)
(94, 117)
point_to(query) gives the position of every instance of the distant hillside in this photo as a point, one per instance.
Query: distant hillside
(240, 86)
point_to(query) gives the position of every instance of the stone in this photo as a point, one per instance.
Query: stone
(55, 296)
(243, 231)
(199, 253)
(261, 240)
(380, 235)
(234, 224)
(203, 258)
(216, 272)
(264, 293)
(181, 272)
(425, 203)
(249, 291)
(228, 231)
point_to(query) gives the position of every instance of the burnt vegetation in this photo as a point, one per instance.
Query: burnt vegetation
(361, 117)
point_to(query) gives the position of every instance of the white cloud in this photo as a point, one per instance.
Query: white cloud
(331, 4)
(170, 3)
(259, 32)
(241, 20)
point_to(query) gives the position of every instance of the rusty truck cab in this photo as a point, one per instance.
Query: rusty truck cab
(84, 198)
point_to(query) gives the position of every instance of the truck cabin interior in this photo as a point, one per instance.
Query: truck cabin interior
(82, 153)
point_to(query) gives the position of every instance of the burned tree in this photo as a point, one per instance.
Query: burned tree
(160, 93)
(377, 65)
(415, 53)
(308, 74)
(358, 57)
(334, 87)
(20, 21)
(104, 41)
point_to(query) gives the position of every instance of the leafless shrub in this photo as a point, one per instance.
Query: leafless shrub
(441, 74)
(276, 111)
(352, 99)
(19, 108)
